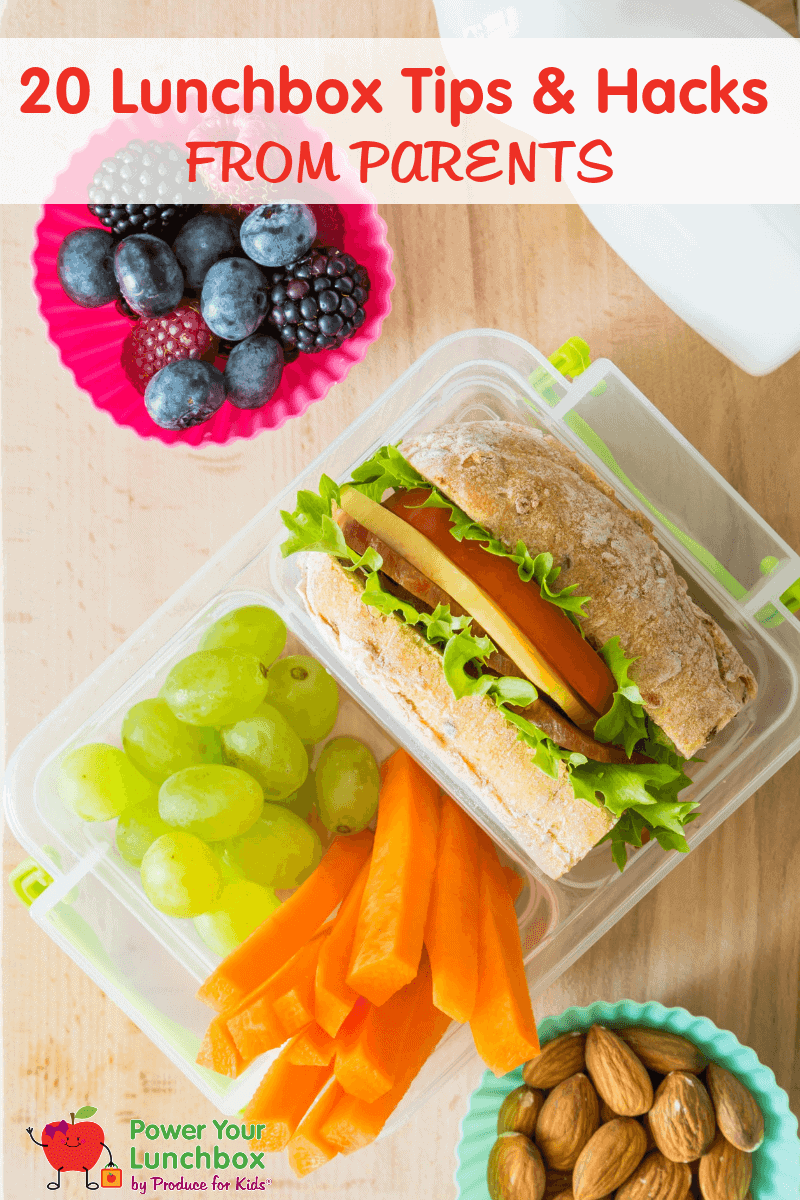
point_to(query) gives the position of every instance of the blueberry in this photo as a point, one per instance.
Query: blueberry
(253, 371)
(184, 393)
(235, 298)
(277, 234)
(203, 241)
(86, 267)
(148, 275)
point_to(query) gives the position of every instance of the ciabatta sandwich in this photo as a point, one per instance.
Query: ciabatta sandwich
(485, 585)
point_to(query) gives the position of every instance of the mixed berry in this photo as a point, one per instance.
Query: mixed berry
(209, 281)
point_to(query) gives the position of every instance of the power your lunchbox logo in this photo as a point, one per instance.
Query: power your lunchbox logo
(150, 1158)
(77, 1145)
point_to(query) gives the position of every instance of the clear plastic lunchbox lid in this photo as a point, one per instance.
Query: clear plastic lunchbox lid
(737, 568)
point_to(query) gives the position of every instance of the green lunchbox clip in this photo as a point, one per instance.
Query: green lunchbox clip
(572, 359)
(29, 880)
(769, 615)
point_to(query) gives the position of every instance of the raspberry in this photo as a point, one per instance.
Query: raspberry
(154, 343)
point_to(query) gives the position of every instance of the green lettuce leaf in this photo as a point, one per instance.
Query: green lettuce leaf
(625, 723)
(311, 526)
(643, 796)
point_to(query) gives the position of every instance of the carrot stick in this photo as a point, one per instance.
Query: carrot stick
(218, 1051)
(295, 1007)
(282, 1100)
(254, 1025)
(389, 933)
(502, 1022)
(333, 997)
(368, 1055)
(353, 1123)
(451, 928)
(290, 926)
(308, 1149)
(312, 1048)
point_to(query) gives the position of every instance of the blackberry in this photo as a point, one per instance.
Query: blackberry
(318, 302)
(145, 172)
(161, 220)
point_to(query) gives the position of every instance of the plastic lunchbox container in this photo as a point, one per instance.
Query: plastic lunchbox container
(91, 903)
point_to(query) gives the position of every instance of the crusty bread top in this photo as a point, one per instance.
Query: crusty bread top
(524, 485)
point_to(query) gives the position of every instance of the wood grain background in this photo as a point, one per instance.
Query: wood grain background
(100, 528)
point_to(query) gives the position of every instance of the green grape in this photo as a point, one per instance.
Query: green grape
(304, 800)
(98, 781)
(181, 875)
(158, 744)
(301, 689)
(279, 851)
(137, 829)
(254, 628)
(241, 908)
(268, 749)
(213, 802)
(348, 782)
(215, 687)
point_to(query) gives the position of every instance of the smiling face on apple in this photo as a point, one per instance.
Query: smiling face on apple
(72, 1147)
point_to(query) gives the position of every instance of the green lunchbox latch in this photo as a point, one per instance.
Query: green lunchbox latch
(29, 880)
(769, 615)
(791, 597)
(572, 358)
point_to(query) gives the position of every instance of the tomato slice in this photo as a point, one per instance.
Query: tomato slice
(545, 624)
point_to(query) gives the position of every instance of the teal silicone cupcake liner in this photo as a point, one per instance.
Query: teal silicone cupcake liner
(776, 1164)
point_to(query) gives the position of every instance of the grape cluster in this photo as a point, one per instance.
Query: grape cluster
(215, 800)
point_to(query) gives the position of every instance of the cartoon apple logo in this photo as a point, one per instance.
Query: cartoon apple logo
(73, 1147)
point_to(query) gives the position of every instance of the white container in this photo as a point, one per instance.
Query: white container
(149, 964)
(731, 271)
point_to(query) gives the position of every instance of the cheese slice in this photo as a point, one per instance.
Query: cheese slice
(407, 541)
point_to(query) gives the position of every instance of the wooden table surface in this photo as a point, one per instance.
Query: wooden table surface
(100, 528)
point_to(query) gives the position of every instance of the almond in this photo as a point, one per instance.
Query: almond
(724, 1171)
(607, 1113)
(682, 1118)
(515, 1168)
(656, 1178)
(738, 1115)
(608, 1158)
(559, 1059)
(662, 1051)
(520, 1110)
(569, 1117)
(619, 1076)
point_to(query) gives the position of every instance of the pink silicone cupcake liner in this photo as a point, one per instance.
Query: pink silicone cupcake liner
(89, 341)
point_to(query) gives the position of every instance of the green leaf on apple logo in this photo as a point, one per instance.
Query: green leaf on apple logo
(88, 1111)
